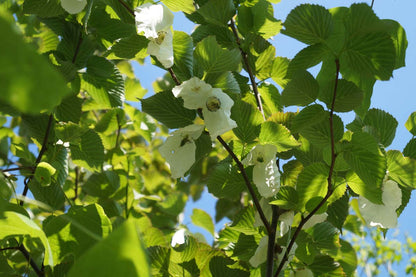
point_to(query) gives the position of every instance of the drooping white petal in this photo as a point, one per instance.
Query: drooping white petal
(218, 120)
(315, 219)
(151, 19)
(162, 48)
(194, 93)
(266, 175)
(178, 238)
(286, 220)
(267, 210)
(73, 6)
(382, 215)
(260, 256)
(179, 149)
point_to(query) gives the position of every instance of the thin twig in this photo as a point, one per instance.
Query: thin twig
(39, 158)
(372, 3)
(271, 242)
(76, 183)
(16, 168)
(248, 184)
(25, 253)
(244, 55)
(329, 179)
(74, 58)
(127, 7)
(174, 77)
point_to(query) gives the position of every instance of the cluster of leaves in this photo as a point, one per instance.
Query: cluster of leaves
(104, 202)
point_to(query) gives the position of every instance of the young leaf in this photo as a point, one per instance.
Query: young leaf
(401, 169)
(411, 124)
(217, 12)
(182, 53)
(186, 6)
(213, 58)
(202, 219)
(120, 254)
(271, 98)
(312, 182)
(90, 152)
(278, 135)
(248, 120)
(287, 198)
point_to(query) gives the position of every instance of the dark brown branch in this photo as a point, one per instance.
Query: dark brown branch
(39, 158)
(372, 3)
(127, 7)
(248, 184)
(17, 168)
(26, 254)
(329, 179)
(76, 183)
(244, 55)
(174, 77)
(271, 242)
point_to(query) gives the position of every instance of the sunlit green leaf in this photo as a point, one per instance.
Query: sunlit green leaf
(202, 219)
(278, 135)
(401, 169)
(301, 90)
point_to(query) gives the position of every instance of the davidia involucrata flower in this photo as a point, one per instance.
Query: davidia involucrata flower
(266, 176)
(315, 219)
(155, 22)
(215, 104)
(382, 215)
(73, 6)
(179, 149)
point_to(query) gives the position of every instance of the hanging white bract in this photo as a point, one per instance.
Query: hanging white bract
(215, 104)
(260, 256)
(266, 176)
(382, 215)
(73, 6)
(315, 219)
(179, 149)
(286, 220)
(155, 22)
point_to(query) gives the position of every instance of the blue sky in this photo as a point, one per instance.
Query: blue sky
(396, 96)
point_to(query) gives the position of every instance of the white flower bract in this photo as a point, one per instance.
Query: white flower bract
(266, 176)
(73, 6)
(382, 215)
(260, 256)
(179, 149)
(155, 22)
(215, 104)
(315, 219)
(286, 220)
(267, 210)
(178, 238)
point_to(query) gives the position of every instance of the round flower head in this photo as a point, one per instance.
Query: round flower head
(73, 6)
(266, 176)
(179, 149)
(215, 104)
(162, 48)
(194, 92)
(217, 113)
(382, 215)
(152, 19)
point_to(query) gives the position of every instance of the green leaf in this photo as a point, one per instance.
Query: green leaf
(120, 254)
(186, 6)
(401, 169)
(319, 133)
(104, 83)
(85, 225)
(411, 124)
(258, 19)
(410, 149)
(308, 116)
(44, 173)
(30, 89)
(134, 90)
(398, 35)
(312, 182)
(217, 12)
(182, 52)
(325, 237)
(271, 98)
(69, 109)
(348, 96)
(248, 119)
(168, 109)
(134, 46)
(90, 152)
(301, 90)
(213, 58)
(221, 266)
(109, 27)
(225, 181)
(202, 219)
(223, 35)
(225, 81)
(366, 159)
(102, 184)
(338, 211)
(307, 57)
(278, 135)
(287, 198)
(347, 257)
(243, 222)
(43, 8)
(325, 264)
(279, 71)
(308, 23)
(15, 224)
(372, 192)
